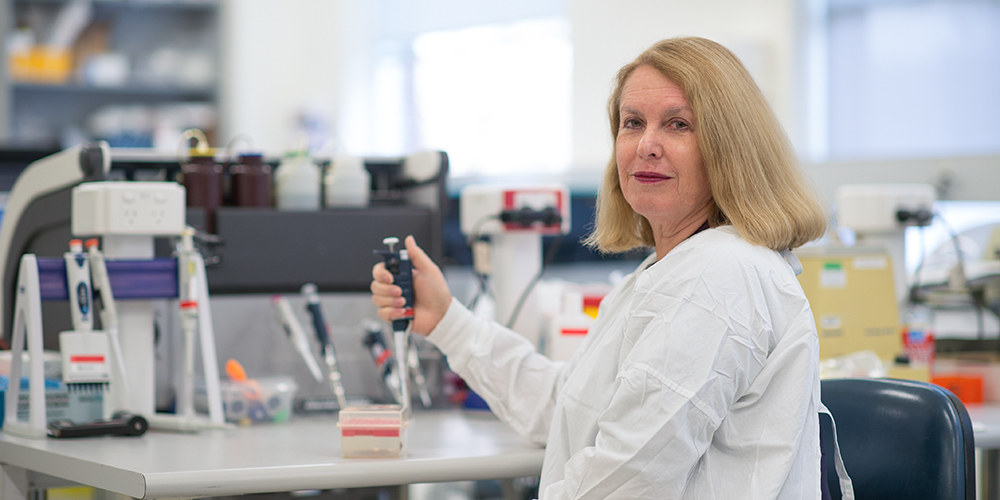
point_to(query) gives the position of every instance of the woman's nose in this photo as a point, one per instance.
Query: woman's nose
(649, 145)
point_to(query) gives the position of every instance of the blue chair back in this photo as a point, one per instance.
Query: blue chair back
(899, 439)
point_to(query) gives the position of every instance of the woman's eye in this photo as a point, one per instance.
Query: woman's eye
(630, 123)
(678, 125)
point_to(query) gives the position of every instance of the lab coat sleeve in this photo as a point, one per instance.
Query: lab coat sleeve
(503, 367)
(691, 350)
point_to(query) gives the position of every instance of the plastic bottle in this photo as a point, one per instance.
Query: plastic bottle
(348, 183)
(203, 184)
(568, 329)
(252, 182)
(297, 183)
(918, 335)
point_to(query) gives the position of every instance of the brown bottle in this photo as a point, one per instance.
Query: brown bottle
(252, 182)
(203, 182)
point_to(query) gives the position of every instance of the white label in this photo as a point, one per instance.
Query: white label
(832, 278)
(871, 263)
(830, 322)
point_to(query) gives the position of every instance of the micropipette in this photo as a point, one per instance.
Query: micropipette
(413, 360)
(109, 315)
(188, 299)
(283, 310)
(398, 263)
(323, 335)
(384, 363)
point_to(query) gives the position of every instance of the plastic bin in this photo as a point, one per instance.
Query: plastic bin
(264, 399)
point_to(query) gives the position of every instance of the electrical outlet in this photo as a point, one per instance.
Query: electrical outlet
(125, 207)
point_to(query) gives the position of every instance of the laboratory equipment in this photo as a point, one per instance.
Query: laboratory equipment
(297, 183)
(120, 424)
(384, 362)
(568, 328)
(879, 215)
(37, 193)
(398, 263)
(372, 431)
(109, 315)
(296, 335)
(417, 374)
(78, 285)
(85, 355)
(514, 218)
(203, 183)
(325, 342)
(187, 299)
(252, 181)
(127, 215)
(347, 183)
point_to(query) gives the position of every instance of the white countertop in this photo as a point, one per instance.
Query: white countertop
(304, 453)
(985, 424)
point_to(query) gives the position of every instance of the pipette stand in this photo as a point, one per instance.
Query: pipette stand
(127, 216)
(135, 320)
(27, 324)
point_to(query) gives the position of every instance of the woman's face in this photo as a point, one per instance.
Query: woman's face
(659, 162)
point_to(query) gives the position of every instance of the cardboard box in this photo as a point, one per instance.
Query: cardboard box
(852, 295)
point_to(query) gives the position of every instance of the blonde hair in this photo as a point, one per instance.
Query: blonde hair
(753, 173)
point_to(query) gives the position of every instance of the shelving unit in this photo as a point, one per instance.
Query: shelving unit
(170, 81)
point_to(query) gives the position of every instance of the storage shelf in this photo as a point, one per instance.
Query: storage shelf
(134, 4)
(127, 91)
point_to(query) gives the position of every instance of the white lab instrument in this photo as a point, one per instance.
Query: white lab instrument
(347, 183)
(879, 215)
(417, 373)
(41, 178)
(187, 298)
(128, 215)
(514, 218)
(296, 335)
(309, 291)
(84, 352)
(109, 315)
(568, 328)
(297, 183)
(78, 286)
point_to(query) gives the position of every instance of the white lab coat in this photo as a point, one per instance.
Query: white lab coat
(699, 379)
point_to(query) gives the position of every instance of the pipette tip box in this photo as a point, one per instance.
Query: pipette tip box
(372, 431)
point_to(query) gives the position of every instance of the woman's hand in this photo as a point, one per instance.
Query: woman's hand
(431, 296)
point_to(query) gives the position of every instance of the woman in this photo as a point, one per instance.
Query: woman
(699, 378)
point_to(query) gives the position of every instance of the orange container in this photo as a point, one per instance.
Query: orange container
(969, 389)
(41, 64)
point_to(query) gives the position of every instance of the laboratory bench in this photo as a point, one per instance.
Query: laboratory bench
(301, 454)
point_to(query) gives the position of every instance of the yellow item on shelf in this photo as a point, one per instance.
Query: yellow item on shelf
(41, 64)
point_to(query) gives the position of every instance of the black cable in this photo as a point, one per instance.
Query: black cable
(981, 334)
(549, 257)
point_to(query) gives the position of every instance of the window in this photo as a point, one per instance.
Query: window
(908, 79)
(496, 98)
(490, 84)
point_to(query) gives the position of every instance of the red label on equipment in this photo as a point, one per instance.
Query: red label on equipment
(573, 331)
(370, 432)
(384, 355)
(96, 358)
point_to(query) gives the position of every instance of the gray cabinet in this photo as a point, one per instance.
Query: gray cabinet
(133, 72)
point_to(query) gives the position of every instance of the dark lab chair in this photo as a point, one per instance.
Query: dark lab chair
(900, 439)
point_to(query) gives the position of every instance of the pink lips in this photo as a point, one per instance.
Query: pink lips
(649, 177)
